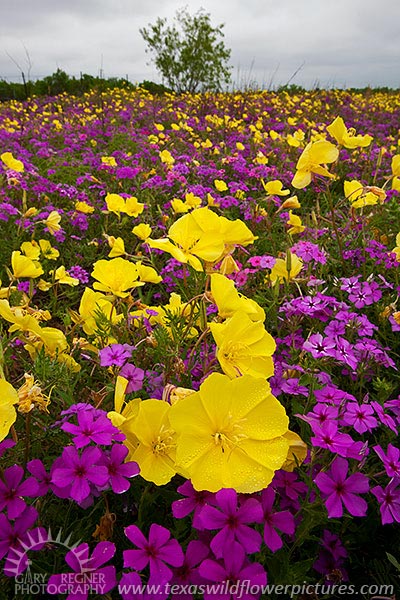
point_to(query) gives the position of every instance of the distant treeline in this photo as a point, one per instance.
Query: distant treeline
(60, 82)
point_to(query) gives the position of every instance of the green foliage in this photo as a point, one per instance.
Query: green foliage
(189, 54)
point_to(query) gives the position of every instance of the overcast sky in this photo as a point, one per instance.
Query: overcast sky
(330, 42)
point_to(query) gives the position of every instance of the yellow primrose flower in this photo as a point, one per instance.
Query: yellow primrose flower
(396, 165)
(115, 203)
(115, 276)
(62, 276)
(109, 161)
(230, 434)
(396, 250)
(23, 266)
(12, 163)
(179, 206)
(314, 155)
(47, 250)
(19, 318)
(31, 249)
(91, 304)
(192, 201)
(295, 223)
(261, 159)
(297, 451)
(147, 274)
(117, 246)
(229, 300)
(220, 185)
(142, 231)
(133, 207)
(124, 414)
(291, 202)
(346, 137)
(360, 195)
(53, 222)
(155, 453)
(167, 158)
(84, 207)
(244, 347)
(274, 188)
(286, 269)
(8, 415)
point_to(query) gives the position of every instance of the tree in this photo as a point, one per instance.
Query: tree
(190, 54)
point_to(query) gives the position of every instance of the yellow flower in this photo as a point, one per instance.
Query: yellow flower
(117, 246)
(115, 203)
(347, 138)
(133, 207)
(230, 434)
(12, 163)
(286, 269)
(47, 250)
(23, 266)
(202, 234)
(178, 206)
(109, 161)
(115, 276)
(229, 301)
(62, 276)
(192, 201)
(396, 165)
(167, 158)
(244, 346)
(124, 414)
(19, 318)
(295, 223)
(142, 231)
(94, 305)
(155, 453)
(220, 185)
(296, 453)
(53, 222)
(360, 195)
(291, 202)
(31, 249)
(314, 155)
(274, 188)
(8, 415)
(147, 274)
(84, 207)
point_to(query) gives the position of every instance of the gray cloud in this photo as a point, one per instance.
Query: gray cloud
(346, 42)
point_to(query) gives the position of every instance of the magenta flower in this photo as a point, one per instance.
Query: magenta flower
(331, 555)
(43, 478)
(118, 471)
(13, 539)
(135, 377)
(236, 575)
(88, 576)
(92, 428)
(188, 573)
(194, 501)
(391, 460)
(389, 501)
(360, 416)
(283, 520)
(81, 470)
(12, 488)
(232, 521)
(155, 552)
(338, 489)
(115, 355)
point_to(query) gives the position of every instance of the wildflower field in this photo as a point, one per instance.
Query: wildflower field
(199, 353)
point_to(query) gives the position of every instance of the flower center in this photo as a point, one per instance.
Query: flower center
(163, 443)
